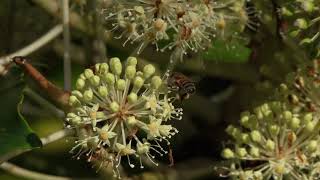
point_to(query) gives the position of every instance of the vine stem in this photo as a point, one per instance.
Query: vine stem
(43, 40)
(66, 43)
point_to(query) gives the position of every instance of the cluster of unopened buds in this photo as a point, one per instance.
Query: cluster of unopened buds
(121, 112)
(277, 143)
(183, 24)
(304, 17)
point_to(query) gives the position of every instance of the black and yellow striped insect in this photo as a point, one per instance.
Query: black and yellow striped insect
(182, 85)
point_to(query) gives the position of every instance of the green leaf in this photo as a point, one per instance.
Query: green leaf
(16, 136)
(233, 51)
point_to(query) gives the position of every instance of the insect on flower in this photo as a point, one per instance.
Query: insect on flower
(182, 85)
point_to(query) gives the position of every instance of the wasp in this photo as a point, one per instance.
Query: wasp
(182, 85)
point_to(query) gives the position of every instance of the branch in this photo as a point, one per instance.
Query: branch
(46, 38)
(66, 45)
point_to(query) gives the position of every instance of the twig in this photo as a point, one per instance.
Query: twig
(46, 140)
(53, 33)
(18, 171)
(56, 136)
(66, 42)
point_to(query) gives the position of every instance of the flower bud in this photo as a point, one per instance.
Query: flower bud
(295, 123)
(137, 83)
(255, 136)
(132, 97)
(245, 138)
(77, 93)
(227, 153)
(88, 95)
(104, 68)
(73, 101)
(309, 127)
(97, 67)
(307, 117)
(132, 61)
(116, 66)
(270, 145)
(80, 84)
(121, 84)
(109, 78)
(94, 80)
(312, 146)
(130, 72)
(114, 106)
(88, 73)
(131, 121)
(274, 129)
(307, 6)
(103, 91)
(241, 152)
(148, 71)
(156, 82)
(254, 151)
(76, 121)
(287, 115)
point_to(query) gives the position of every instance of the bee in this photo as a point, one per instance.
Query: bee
(182, 85)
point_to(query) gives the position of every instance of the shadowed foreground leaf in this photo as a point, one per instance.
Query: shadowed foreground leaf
(16, 136)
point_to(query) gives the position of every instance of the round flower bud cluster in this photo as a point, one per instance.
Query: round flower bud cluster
(119, 112)
(278, 144)
(304, 16)
(184, 24)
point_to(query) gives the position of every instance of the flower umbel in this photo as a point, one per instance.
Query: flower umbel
(119, 112)
(188, 25)
(278, 142)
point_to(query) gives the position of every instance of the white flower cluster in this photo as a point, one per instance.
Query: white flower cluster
(121, 112)
(278, 143)
(184, 24)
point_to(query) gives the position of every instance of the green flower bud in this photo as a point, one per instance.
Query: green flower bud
(132, 61)
(156, 82)
(255, 136)
(88, 95)
(287, 115)
(131, 121)
(121, 84)
(103, 91)
(309, 127)
(81, 76)
(295, 123)
(254, 151)
(76, 121)
(301, 23)
(95, 80)
(73, 101)
(227, 153)
(148, 71)
(137, 83)
(71, 115)
(104, 68)
(241, 152)
(312, 146)
(230, 129)
(97, 67)
(114, 106)
(245, 121)
(88, 73)
(270, 145)
(116, 66)
(245, 138)
(274, 129)
(77, 93)
(283, 88)
(130, 72)
(80, 84)
(132, 97)
(308, 117)
(109, 78)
